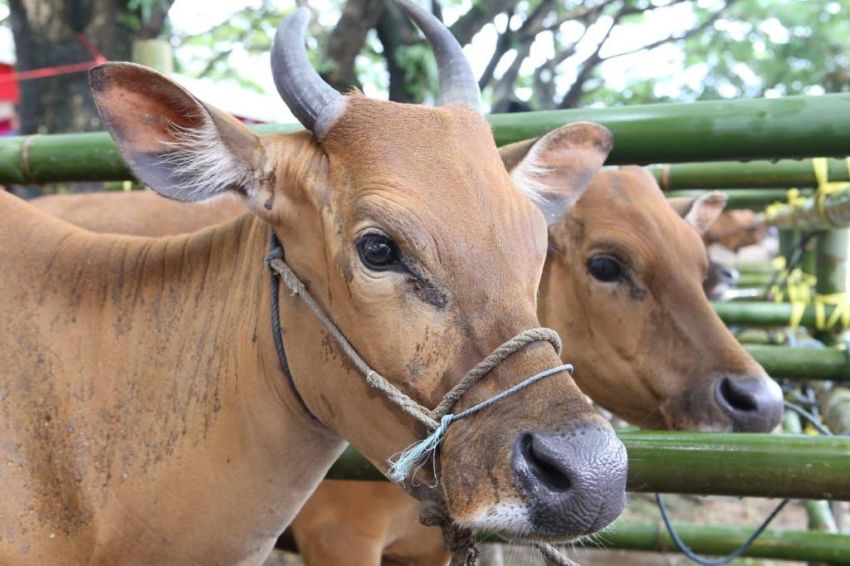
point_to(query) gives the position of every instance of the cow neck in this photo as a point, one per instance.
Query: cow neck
(161, 361)
(276, 252)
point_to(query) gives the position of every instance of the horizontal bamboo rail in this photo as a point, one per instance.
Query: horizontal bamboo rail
(767, 314)
(715, 540)
(804, 363)
(752, 174)
(806, 215)
(760, 465)
(792, 127)
(755, 199)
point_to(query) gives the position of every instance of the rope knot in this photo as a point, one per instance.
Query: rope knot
(417, 453)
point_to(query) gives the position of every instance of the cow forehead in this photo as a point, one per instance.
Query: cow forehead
(629, 203)
(429, 148)
(439, 165)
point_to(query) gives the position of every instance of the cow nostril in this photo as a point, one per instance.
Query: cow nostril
(548, 472)
(738, 399)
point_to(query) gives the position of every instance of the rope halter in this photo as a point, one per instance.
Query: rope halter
(459, 540)
(437, 420)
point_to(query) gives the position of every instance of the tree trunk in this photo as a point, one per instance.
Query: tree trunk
(46, 35)
(395, 31)
(346, 41)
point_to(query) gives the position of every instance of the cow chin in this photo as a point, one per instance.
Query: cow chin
(506, 518)
(694, 412)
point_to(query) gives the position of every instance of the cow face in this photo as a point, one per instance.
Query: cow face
(405, 225)
(624, 287)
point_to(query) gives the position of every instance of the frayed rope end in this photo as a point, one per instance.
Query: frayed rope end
(417, 453)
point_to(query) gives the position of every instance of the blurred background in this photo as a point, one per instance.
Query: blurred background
(529, 55)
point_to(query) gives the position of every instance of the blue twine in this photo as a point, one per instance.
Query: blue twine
(417, 453)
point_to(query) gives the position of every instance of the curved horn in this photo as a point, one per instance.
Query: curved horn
(311, 100)
(457, 83)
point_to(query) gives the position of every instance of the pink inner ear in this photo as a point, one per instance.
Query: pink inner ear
(705, 210)
(141, 107)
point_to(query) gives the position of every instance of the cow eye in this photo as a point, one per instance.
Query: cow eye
(378, 252)
(605, 268)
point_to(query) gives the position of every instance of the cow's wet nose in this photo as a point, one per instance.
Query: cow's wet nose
(573, 483)
(754, 404)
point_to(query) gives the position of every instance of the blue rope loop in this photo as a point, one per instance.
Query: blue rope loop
(415, 455)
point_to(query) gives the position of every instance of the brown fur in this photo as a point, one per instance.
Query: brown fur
(143, 414)
(604, 337)
(138, 213)
(736, 229)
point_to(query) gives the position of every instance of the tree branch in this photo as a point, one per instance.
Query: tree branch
(481, 14)
(670, 39)
(346, 41)
(576, 90)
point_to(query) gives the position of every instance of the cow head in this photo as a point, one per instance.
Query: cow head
(623, 286)
(735, 229)
(404, 224)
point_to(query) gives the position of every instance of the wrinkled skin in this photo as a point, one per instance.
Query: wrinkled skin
(143, 414)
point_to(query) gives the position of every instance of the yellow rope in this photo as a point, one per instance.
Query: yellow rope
(825, 187)
(798, 288)
(840, 313)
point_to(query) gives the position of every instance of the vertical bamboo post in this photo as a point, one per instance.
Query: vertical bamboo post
(818, 511)
(831, 268)
(154, 53)
(788, 240)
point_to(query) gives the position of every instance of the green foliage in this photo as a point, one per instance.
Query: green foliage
(755, 48)
(789, 46)
(420, 70)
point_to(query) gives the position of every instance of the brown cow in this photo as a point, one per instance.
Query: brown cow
(336, 527)
(622, 285)
(144, 414)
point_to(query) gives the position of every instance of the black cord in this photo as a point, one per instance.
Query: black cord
(703, 561)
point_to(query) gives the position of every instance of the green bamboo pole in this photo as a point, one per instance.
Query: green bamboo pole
(752, 174)
(758, 280)
(807, 214)
(760, 465)
(755, 199)
(805, 363)
(788, 239)
(831, 265)
(791, 127)
(835, 408)
(818, 511)
(715, 540)
(766, 314)
(154, 53)
(756, 267)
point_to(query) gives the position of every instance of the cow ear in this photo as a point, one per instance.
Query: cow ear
(702, 211)
(180, 147)
(556, 169)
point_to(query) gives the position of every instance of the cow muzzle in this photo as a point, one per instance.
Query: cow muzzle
(753, 404)
(573, 482)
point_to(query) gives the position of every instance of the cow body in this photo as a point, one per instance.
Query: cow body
(139, 213)
(125, 386)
